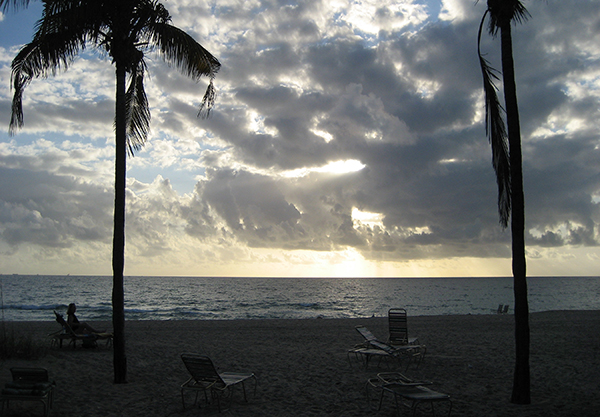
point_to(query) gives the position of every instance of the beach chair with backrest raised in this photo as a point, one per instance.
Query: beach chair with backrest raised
(502, 309)
(205, 378)
(398, 327)
(87, 339)
(373, 347)
(28, 384)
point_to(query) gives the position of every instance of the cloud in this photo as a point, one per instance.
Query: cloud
(395, 87)
(51, 210)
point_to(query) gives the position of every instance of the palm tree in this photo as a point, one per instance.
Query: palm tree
(509, 173)
(5, 4)
(125, 30)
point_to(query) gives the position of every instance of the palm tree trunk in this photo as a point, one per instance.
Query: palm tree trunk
(118, 299)
(521, 384)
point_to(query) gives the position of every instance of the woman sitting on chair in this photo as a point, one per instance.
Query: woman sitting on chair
(76, 325)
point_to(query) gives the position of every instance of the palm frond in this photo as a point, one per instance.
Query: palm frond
(208, 101)
(504, 12)
(87, 16)
(192, 59)
(180, 49)
(44, 55)
(60, 36)
(137, 110)
(496, 132)
(16, 4)
(146, 14)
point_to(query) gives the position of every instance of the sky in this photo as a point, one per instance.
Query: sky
(347, 140)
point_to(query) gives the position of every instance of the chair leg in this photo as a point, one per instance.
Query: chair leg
(255, 385)
(398, 405)
(381, 399)
(218, 403)
(216, 396)
(416, 405)
(408, 363)
(370, 384)
(367, 384)
(183, 397)
(244, 389)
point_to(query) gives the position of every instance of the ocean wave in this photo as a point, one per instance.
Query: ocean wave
(189, 298)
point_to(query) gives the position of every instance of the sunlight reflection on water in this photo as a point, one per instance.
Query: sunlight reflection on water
(182, 298)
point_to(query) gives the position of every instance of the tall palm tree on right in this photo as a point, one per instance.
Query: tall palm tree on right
(507, 161)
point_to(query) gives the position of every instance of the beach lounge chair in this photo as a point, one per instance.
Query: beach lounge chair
(405, 392)
(28, 384)
(398, 326)
(374, 347)
(366, 354)
(87, 339)
(502, 309)
(205, 377)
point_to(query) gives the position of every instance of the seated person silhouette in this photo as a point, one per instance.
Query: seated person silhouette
(76, 325)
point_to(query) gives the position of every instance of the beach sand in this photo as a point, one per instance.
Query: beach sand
(303, 368)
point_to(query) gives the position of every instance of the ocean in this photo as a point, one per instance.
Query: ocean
(25, 297)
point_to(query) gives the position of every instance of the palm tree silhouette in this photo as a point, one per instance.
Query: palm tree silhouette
(509, 173)
(125, 30)
(6, 4)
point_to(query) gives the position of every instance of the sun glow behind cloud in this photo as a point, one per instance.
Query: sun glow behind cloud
(367, 218)
(331, 117)
(335, 167)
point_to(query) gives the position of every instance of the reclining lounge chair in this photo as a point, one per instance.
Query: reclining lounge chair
(398, 326)
(87, 339)
(28, 384)
(375, 348)
(205, 378)
(406, 391)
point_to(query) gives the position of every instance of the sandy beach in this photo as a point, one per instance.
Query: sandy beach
(303, 368)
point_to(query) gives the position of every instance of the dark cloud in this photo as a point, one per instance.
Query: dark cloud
(51, 210)
(303, 85)
(252, 206)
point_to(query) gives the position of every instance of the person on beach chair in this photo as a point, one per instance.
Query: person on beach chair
(86, 333)
(77, 326)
